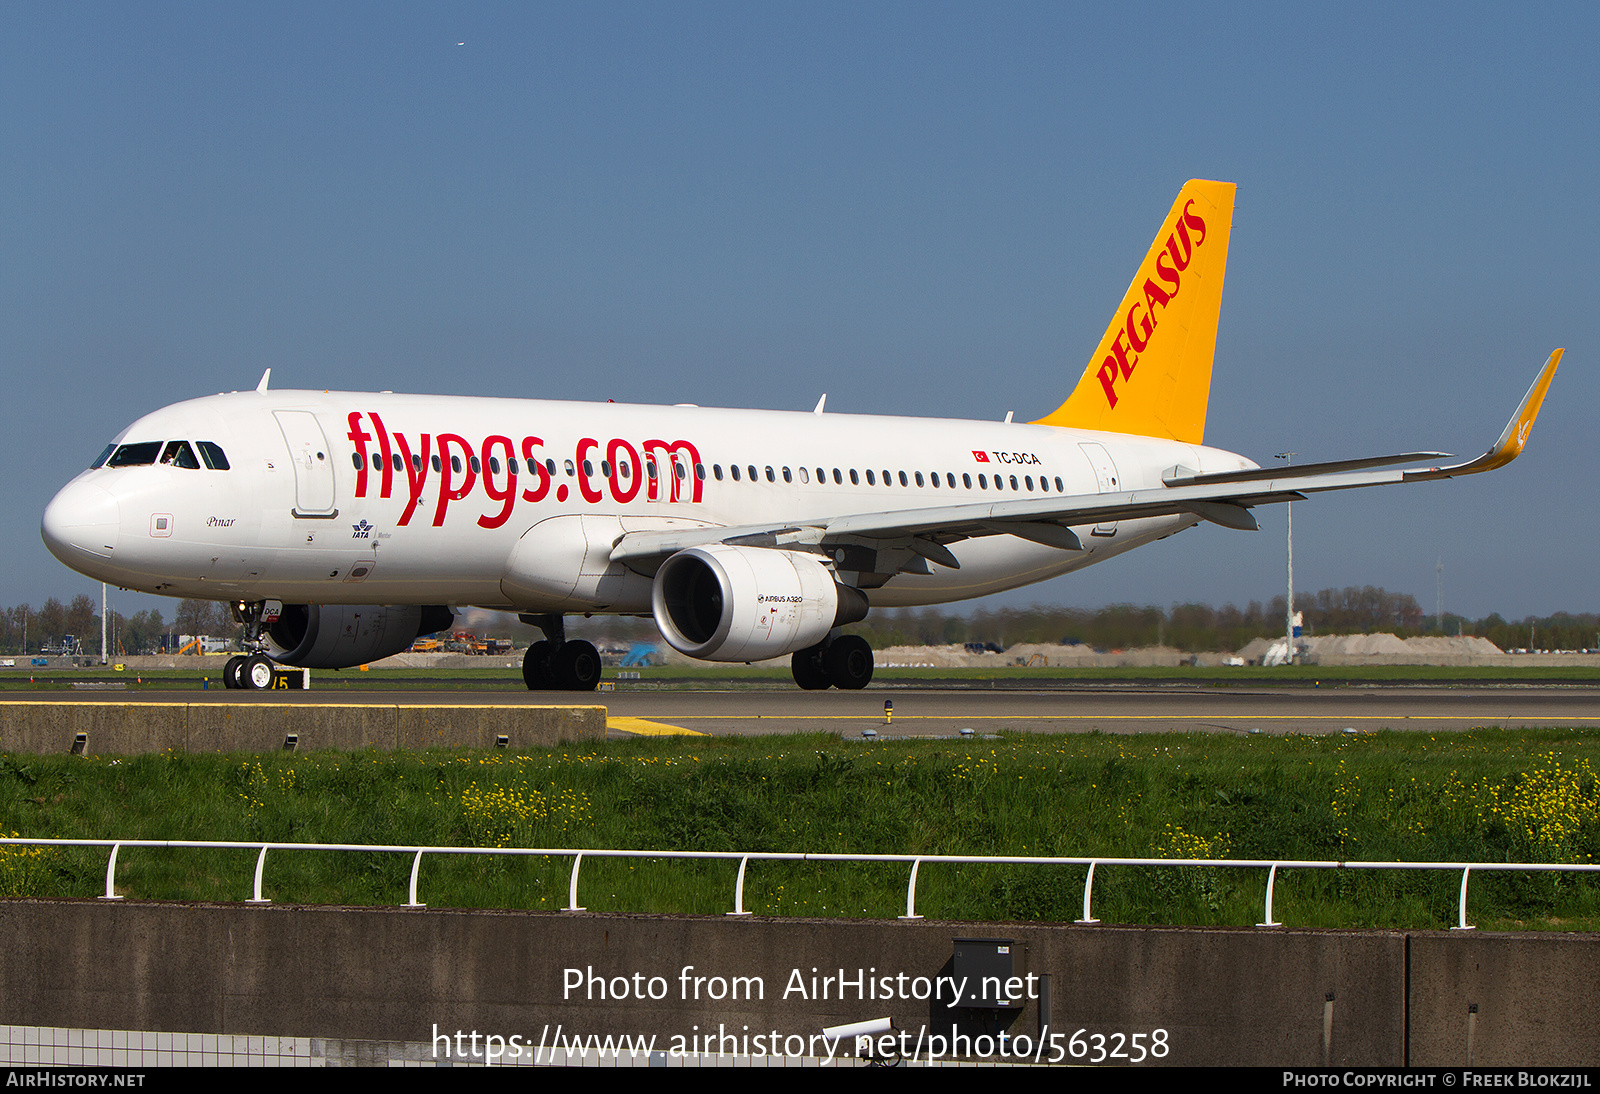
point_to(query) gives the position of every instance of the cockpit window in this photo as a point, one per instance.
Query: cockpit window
(99, 461)
(135, 455)
(179, 454)
(213, 455)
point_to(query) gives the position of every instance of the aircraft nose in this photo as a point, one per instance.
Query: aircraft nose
(83, 519)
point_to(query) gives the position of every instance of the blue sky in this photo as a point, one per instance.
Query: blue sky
(917, 208)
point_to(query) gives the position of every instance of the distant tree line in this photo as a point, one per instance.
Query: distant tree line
(1201, 628)
(26, 630)
(1198, 628)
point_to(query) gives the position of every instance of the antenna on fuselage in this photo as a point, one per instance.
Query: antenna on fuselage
(820, 402)
(265, 376)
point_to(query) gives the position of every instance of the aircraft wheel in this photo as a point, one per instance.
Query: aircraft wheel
(809, 671)
(256, 673)
(849, 662)
(577, 667)
(231, 673)
(536, 667)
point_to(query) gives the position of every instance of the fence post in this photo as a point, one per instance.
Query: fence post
(261, 863)
(738, 890)
(911, 891)
(572, 887)
(1461, 916)
(1272, 876)
(111, 868)
(1088, 885)
(411, 895)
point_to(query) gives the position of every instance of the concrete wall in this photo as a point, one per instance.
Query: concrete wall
(257, 726)
(1242, 996)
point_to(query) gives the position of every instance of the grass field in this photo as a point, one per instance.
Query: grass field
(1486, 795)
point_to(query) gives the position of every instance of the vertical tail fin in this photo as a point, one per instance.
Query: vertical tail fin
(1152, 373)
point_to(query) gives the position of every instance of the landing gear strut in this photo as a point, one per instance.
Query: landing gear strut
(252, 671)
(844, 663)
(556, 664)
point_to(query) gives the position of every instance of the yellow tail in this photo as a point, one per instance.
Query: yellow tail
(1152, 373)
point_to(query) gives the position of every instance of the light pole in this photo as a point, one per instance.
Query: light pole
(1288, 621)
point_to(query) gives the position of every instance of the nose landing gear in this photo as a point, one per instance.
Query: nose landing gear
(251, 671)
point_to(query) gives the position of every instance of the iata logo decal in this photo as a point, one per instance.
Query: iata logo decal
(669, 471)
(1140, 321)
(362, 530)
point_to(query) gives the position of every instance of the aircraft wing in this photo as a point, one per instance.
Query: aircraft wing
(1224, 499)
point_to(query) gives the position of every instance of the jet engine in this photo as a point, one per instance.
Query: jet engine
(726, 603)
(337, 636)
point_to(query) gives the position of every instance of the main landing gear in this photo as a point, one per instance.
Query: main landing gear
(556, 664)
(251, 671)
(844, 663)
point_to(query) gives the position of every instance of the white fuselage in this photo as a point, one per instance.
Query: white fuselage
(349, 498)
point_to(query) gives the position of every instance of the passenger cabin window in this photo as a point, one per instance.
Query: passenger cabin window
(179, 454)
(733, 467)
(870, 480)
(136, 455)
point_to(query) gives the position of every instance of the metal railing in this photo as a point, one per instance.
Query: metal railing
(1272, 866)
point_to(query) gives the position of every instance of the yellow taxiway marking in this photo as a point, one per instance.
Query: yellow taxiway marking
(646, 728)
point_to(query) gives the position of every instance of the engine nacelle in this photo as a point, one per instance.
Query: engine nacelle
(726, 603)
(338, 636)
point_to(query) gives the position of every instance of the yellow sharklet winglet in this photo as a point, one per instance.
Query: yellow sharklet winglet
(1513, 439)
(1151, 375)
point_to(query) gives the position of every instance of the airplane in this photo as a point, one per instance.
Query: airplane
(341, 526)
